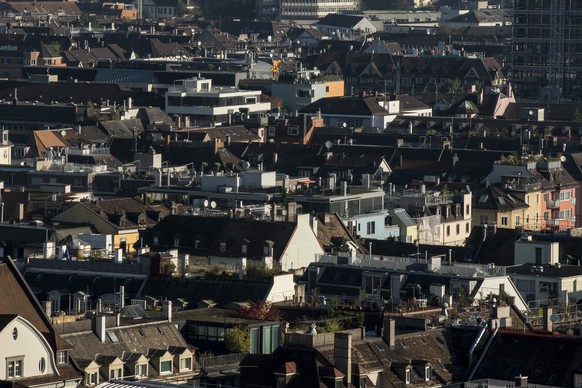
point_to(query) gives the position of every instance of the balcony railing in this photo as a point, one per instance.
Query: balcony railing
(553, 204)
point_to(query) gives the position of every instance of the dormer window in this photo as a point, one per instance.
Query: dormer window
(62, 357)
(196, 244)
(408, 376)
(156, 240)
(243, 249)
(176, 241)
(266, 250)
(427, 373)
(222, 247)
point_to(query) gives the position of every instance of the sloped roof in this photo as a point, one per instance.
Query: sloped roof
(41, 141)
(340, 20)
(362, 106)
(130, 339)
(546, 359)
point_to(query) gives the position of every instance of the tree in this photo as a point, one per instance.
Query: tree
(339, 244)
(238, 340)
(168, 269)
(259, 310)
(330, 326)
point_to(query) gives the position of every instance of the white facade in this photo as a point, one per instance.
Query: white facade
(24, 352)
(316, 9)
(303, 246)
(536, 252)
(196, 100)
(283, 288)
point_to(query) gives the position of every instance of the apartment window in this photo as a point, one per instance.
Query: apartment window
(408, 376)
(62, 357)
(483, 219)
(14, 367)
(91, 378)
(115, 374)
(371, 227)
(458, 229)
(186, 363)
(222, 247)
(448, 230)
(467, 210)
(244, 249)
(293, 131)
(504, 221)
(165, 366)
(271, 131)
(517, 220)
(141, 370)
(467, 227)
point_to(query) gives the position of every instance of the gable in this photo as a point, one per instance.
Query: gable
(18, 299)
(19, 338)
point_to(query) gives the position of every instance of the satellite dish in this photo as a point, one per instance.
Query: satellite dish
(562, 158)
(63, 133)
(213, 205)
(531, 112)
(328, 144)
(205, 203)
(554, 318)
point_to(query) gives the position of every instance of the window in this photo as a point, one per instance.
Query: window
(115, 374)
(271, 131)
(14, 367)
(14, 334)
(141, 370)
(244, 249)
(517, 220)
(504, 220)
(293, 131)
(408, 376)
(467, 210)
(186, 363)
(467, 227)
(448, 230)
(166, 366)
(427, 374)
(371, 227)
(222, 247)
(62, 357)
(41, 365)
(91, 378)
(483, 219)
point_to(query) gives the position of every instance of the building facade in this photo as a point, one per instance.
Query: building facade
(547, 60)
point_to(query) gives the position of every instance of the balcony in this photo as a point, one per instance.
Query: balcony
(553, 204)
(553, 222)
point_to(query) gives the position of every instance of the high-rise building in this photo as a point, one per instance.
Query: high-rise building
(547, 49)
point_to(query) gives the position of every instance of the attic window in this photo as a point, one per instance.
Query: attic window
(222, 247)
(408, 376)
(243, 249)
(427, 373)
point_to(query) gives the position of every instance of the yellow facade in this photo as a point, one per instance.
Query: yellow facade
(334, 88)
(130, 239)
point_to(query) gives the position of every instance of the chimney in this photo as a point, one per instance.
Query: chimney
(390, 332)
(314, 221)
(167, 310)
(521, 381)
(48, 307)
(100, 327)
(121, 297)
(342, 355)
(547, 322)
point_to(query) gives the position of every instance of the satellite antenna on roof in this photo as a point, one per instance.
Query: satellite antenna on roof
(328, 144)
(562, 158)
(205, 203)
(213, 205)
